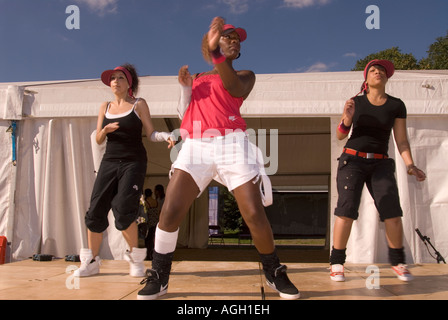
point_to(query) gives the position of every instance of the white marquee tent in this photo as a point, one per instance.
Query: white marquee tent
(44, 196)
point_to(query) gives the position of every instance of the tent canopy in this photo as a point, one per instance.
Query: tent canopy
(274, 95)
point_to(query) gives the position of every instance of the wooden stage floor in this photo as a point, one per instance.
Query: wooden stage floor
(218, 280)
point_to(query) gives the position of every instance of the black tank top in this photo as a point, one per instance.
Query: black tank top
(125, 143)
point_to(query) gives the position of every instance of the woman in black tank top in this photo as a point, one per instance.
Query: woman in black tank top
(125, 143)
(121, 176)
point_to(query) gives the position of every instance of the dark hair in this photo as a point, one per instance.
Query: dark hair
(135, 80)
(364, 88)
(160, 189)
(148, 193)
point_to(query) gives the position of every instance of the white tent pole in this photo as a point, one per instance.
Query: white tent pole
(77, 191)
(46, 196)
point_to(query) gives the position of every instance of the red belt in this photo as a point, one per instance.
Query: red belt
(366, 155)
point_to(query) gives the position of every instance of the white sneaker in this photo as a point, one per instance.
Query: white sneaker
(136, 260)
(89, 266)
(402, 272)
(337, 272)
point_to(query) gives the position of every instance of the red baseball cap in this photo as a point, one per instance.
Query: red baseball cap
(227, 28)
(386, 64)
(105, 76)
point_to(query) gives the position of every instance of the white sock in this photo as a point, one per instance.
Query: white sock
(165, 242)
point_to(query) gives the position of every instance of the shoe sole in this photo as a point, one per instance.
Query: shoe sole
(282, 294)
(337, 278)
(404, 278)
(153, 296)
(78, 275)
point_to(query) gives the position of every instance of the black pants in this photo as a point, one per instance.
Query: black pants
(118, 186)
(379, 177)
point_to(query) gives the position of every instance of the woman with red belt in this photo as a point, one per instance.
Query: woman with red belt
(365, 160)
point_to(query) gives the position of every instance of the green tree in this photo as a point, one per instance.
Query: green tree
(402, 61)
(437, 55)
(229, 213)
(437, 58)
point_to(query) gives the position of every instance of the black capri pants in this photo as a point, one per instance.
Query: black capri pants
(379, 177)
(118, 186)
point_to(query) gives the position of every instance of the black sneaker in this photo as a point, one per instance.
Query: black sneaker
(280, 282)
(155, 286)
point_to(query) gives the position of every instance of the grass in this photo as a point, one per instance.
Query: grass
(232, 238)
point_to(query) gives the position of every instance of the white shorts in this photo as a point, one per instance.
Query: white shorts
(231, 160)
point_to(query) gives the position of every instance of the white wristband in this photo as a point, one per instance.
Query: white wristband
(184, 101)
(161, 136)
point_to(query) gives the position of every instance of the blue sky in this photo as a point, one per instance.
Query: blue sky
(159, 36)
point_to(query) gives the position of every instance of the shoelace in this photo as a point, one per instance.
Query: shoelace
(86, 262)
(280, 270)
(151, 276)
(402, 268)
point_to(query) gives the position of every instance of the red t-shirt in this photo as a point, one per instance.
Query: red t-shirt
(212, 111)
